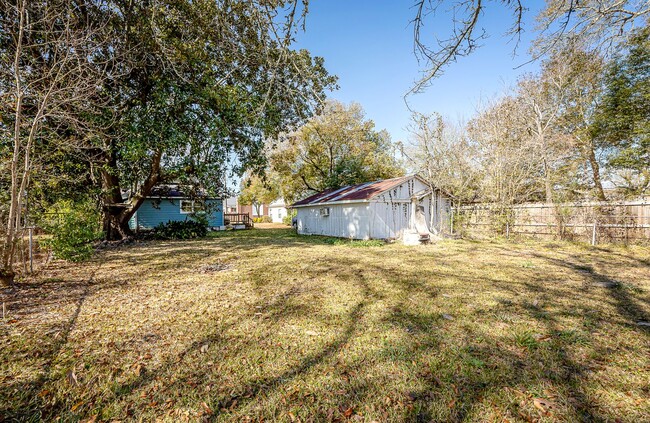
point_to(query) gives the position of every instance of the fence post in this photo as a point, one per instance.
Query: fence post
(31, 253)
(451, 221)
(593, 233)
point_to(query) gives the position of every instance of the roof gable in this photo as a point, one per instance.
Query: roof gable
(354, 193)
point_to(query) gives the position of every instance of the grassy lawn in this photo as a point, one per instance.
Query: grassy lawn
(265, 325)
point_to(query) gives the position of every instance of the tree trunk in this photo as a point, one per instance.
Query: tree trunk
(116, 212)
(116, 223)
(595, 169)
(548, 187)
(6, 277)
(7, 271)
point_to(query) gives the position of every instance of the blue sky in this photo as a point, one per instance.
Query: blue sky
(369, 46)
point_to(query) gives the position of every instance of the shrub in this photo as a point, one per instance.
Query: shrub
(74, 227)
(263, 219)
(201, 218)
(288, 219)
(186, 229)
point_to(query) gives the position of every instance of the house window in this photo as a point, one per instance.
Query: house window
(192, 206)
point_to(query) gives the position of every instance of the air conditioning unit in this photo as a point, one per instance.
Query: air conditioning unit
(325, 211)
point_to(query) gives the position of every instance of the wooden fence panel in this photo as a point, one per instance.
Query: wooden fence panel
(595, 222)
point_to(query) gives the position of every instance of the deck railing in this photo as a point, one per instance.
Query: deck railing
(238, 219)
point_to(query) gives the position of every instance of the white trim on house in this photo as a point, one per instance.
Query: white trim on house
(193, 207)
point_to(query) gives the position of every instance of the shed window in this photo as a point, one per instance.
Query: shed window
(192, 206)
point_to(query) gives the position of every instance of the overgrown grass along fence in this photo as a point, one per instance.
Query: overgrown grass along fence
(625, 222)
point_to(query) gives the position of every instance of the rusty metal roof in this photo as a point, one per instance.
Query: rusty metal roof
(360, 192)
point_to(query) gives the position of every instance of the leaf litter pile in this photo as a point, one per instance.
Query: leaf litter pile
(264, 325)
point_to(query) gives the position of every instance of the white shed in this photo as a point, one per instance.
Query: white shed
(398, 208)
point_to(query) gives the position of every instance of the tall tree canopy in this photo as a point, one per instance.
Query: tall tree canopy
(442, 153)
(338, 147)
(623, 119)
(205, 81)
(257, 190)
(567, 133)
(189, 89)
(142, 93)
(52, 72)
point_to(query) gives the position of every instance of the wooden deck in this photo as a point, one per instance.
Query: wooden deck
(238, 219)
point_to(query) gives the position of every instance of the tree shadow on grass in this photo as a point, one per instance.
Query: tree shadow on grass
(464, 378)
(555, 365)
(626, 304)
(249, 390)
(57, 292)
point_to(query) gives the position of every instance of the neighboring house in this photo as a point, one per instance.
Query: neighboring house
(231, 205)
(405, 208)
(278, 211)
(167, 203)
(251, 210)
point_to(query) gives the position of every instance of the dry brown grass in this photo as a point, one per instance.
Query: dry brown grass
(263, 324)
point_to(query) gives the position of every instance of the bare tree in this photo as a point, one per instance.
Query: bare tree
(543, 100)
(442, 153)
(508, 159)
(51, 70)
(600, 22)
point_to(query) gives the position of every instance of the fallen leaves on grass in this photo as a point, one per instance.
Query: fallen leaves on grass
(206, 409)
(200, 334)
(72, 378)
(541, 337)
(215, 267)
(92, 419)
(543, 405)
(139, 369)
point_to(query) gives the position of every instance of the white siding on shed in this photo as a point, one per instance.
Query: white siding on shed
(344, 221)
(383, 216)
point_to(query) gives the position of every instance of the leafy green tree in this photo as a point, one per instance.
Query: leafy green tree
(202, 84)
(257, 191)
(74, 227)
(338, 147)
(143, 93)
(623, 119)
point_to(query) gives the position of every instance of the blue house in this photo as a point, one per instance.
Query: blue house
(169, 203)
